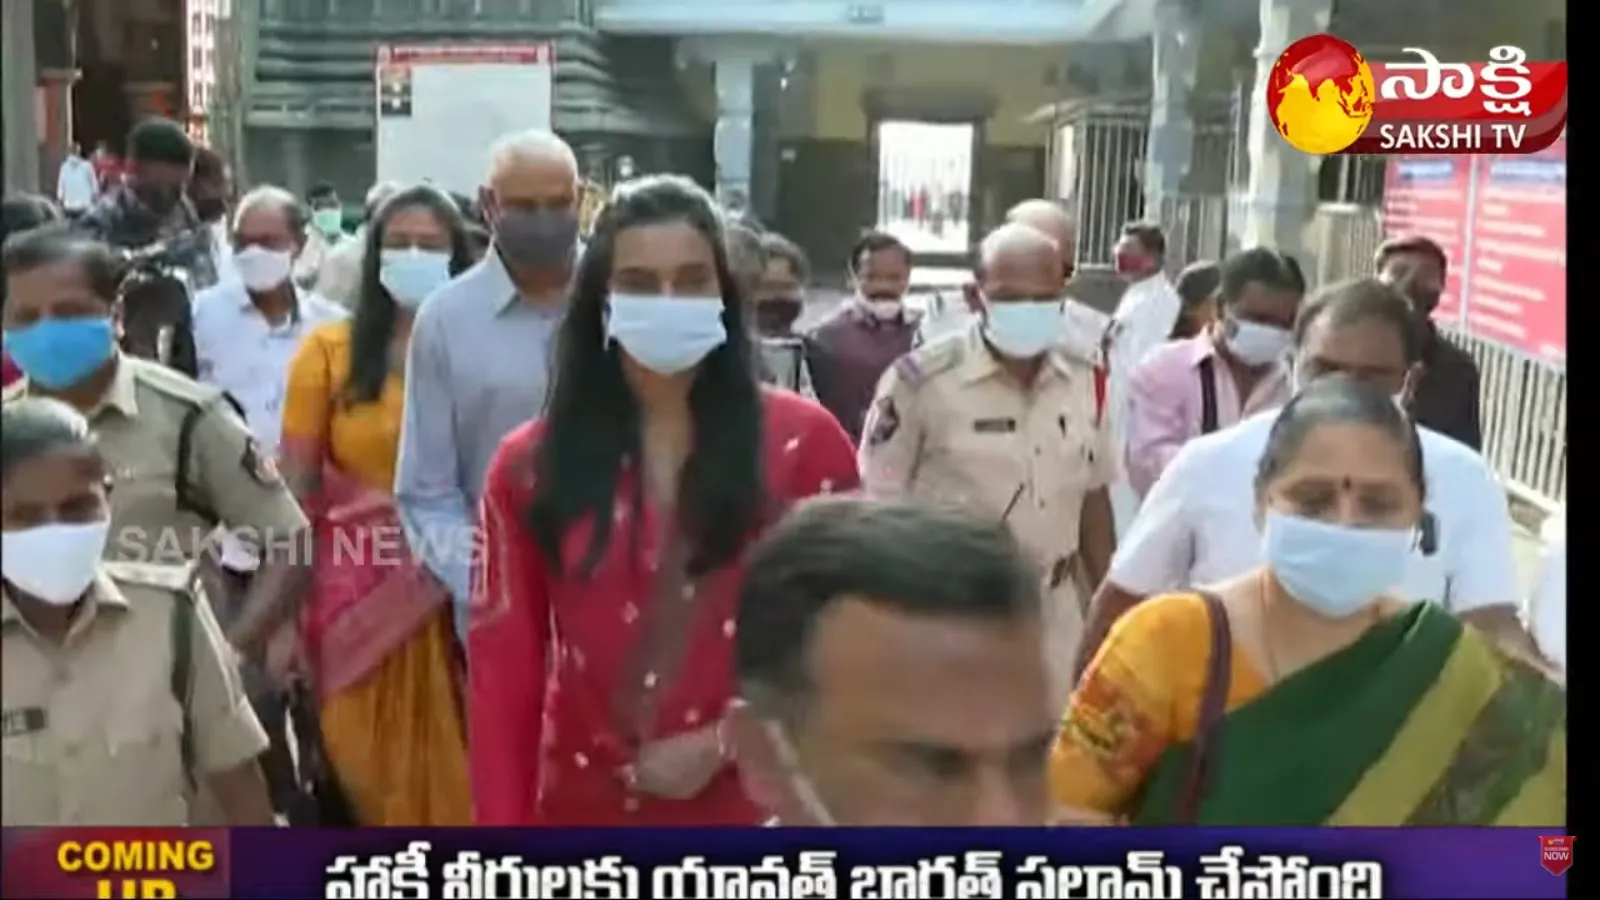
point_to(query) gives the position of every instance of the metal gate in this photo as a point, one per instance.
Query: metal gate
(1098, 168)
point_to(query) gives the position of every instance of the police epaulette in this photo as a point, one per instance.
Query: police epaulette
(929, 360)
(176, 578)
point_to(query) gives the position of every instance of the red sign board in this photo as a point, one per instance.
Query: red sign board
(1503, 222)
(1428, 196)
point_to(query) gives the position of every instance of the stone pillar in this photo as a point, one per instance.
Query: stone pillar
(734, 144)
(1282, 195)
(296, 160)
(1169, 147)
(19, 82)
(56, 89)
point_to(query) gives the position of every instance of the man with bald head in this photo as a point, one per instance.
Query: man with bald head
(481, 347)
(1052, 219)
(1001, 421)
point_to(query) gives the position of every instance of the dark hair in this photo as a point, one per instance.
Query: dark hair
(592, 418)
(876, 242)
(1196, 284)
(25, 212)
(372, 323)
(1415, 243)
(208, 163)
(1262, 266)
(30, 250)
(160, 140)
(915, 559)
(1359, 300)
(478, 238)
(31, 427)
(746, 252)
(1147, 235)
(468, 208)
(322, 191)
(776, 246)
(1337, 399)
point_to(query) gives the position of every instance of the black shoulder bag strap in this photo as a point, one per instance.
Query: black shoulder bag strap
(1208, 395)
(1213, 706)
(188, 499)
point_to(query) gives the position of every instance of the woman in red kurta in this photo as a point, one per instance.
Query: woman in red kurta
(614, 530)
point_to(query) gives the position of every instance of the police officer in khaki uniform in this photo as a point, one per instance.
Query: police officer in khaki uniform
(120, 694)
(1000, 421)
(181, 459)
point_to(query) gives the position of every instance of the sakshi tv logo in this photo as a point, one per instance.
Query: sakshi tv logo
(1324, 97)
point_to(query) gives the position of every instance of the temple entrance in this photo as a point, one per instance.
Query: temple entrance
(925, 185)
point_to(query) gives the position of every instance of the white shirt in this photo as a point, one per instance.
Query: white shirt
(1143, 321)
(243, 354)
(1197, 525)
(76, 184)
(1547, 612)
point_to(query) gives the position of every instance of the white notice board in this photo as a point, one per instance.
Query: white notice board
(442, 106)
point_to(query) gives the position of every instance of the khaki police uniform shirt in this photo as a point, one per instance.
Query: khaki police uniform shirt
(92, 729)
(949, 424)
(137, 426)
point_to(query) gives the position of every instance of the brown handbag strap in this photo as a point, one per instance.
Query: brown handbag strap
(665, 628)
(1213, 705)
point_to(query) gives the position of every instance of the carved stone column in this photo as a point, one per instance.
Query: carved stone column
(1282, 195)
(1169, 148)
(19, 78)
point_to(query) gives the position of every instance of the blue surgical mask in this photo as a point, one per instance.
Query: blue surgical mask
(1023, 329)
(59, 353)
(1335, 570)
(666, 334)
(411, 274)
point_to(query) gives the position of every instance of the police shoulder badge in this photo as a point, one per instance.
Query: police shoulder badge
(259, 466)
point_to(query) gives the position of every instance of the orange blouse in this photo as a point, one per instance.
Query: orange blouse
(1139, 696)
(360, 440)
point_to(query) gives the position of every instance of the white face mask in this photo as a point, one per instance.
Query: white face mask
(55, 563)
(410, 275)
(261, 269)
(1256, 344)
(883, 309)
(1023, 329)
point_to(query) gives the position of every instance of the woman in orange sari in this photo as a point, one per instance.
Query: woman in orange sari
(376, 625)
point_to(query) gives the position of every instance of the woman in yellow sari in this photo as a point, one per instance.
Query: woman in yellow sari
(377, 626)
(1330, 704)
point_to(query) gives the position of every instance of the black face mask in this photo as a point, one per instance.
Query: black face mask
(777, 315)
(538, 239)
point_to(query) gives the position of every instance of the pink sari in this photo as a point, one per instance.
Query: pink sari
(9, 371)
(369, 593)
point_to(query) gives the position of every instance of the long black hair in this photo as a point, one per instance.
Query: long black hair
(592, 427)
(372, 326)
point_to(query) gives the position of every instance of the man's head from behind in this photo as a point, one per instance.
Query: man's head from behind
(1052, 218)
(891, 671)
(160, 162)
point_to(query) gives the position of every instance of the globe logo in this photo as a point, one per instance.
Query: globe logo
(1320, 94)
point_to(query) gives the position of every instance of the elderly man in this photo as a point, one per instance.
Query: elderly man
(1051, 218)
(481, 347)
(339, 278)
(1001, 422)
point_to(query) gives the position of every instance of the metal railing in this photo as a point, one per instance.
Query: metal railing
(1523, 401)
